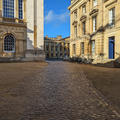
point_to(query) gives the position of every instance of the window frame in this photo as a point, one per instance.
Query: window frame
(8, 8)
(20, 9)
(112, 16)
(9, 51)
(84, 27)
(94, 26)
(93, 47)
(95, 3)
(82, 48)
(74, 49)
(75, 31)
(84, 9)
(75, 14)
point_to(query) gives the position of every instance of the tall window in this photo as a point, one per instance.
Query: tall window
(20, 4)
(75, 15)
(75, 31)
(9, 43)
(93, 47)
(47, 47)
(74, 49)
(112, 16)
(94, 3)
(94, 22)
(82, 48)
(8, 8)
(84, 27)
(52, 47)
(84, 9)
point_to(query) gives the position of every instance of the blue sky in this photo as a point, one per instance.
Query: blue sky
(57, 20)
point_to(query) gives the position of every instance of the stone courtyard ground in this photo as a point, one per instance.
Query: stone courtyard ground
(58, 91)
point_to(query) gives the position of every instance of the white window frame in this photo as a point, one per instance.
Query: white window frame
(94, 3)
(84, 9)
(94, 23)
(112, 16)
(93, 47)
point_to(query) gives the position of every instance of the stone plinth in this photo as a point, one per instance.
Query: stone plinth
(34, 55)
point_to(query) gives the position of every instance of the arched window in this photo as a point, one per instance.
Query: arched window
(9, 43)
(20, 4)
(8, 8)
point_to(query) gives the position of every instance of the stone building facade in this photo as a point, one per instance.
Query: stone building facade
(56, 47)
(95, 29)
(21, 29)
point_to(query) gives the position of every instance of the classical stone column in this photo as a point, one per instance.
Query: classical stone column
(40, 25)
(35, 24)
(30, 24)
(35, 38)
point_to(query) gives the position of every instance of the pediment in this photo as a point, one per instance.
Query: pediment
(94, 11)
(83, 17)
(75, 22)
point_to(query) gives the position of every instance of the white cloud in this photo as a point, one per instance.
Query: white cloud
(52, 17)
(49, 17)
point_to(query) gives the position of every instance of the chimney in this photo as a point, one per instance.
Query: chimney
(59, 37)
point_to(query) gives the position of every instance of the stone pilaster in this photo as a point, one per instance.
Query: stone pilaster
(24, 10)
(16, 10)
(0, 10)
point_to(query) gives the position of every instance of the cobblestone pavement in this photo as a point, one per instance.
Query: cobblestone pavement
(59, 91)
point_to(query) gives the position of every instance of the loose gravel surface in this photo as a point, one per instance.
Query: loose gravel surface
(54, 91)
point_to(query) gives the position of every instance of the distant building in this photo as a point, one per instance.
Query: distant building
(56, 47)
(95, 29)
(21, 29)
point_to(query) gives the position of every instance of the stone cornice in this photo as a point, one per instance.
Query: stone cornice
(13, 24)
(73, 4)
(111, 3)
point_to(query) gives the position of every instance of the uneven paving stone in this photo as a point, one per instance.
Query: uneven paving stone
(59, 91)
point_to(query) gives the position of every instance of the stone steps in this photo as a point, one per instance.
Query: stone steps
(109, 64)
(9, 59)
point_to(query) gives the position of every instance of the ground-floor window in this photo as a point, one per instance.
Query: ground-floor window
(52, 48)
(93, 47)
(47, 48)
(74, 49)
(47, 55)
(51, 54)
(60, 54)
(9, 43)
(82, 48)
